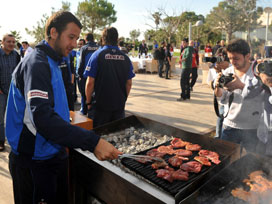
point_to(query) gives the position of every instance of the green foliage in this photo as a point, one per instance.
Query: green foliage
(225, 17)
(96, 14)
(134, 34)
(17, 35)
(38, 32)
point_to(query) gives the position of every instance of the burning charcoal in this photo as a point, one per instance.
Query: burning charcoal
(147, 142)
(165, 138)
(115, 139)
(141, 141)
(132, 138)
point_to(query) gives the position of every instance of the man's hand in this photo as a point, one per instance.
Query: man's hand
(217, 79)
(106, 151)
(234, 84)
(221, 66)
(1, 92)
(267, 80)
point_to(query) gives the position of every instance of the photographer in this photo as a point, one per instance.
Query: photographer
(261, 87)
(221, 63)
(241, 116)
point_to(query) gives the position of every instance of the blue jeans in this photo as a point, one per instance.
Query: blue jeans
(3, 104)
(246, 138)
(219, 123)
(161, 62)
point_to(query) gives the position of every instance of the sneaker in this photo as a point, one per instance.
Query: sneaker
(167, 78)
(181, 99)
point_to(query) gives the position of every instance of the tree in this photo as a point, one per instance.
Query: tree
(157, 18)
(183, 28)
(225, 18)
(96, 14)
(249, 14)
(17, 35)
(134, 34)
(38, 32)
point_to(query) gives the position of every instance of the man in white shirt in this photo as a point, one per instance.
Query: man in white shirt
(27, 48)
(241, 116)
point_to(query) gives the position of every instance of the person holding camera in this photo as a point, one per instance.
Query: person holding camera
(221, 63)
(261, 87)
(241, 117)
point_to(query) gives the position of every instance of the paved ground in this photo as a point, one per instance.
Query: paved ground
(155, 98)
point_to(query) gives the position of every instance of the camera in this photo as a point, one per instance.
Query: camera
(265, 67)
(224, 79)
(213, 59)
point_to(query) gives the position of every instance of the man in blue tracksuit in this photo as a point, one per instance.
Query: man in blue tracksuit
(109, 81)
(85, 54)
(37, 119)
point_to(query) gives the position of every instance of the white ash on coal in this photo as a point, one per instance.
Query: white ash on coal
(131, 140)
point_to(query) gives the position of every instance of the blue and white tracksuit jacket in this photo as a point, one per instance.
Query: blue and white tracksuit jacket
(37, 115)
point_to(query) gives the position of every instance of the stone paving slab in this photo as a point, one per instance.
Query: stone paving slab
(155, 98)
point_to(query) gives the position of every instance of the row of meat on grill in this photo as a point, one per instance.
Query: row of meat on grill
(168, 173)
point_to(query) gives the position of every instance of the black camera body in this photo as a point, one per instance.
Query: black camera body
(224, 79)
(213, 59)
(265, 67)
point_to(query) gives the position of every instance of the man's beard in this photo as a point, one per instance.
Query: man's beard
(58, 47)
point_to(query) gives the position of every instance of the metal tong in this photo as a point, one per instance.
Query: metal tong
(141, 157)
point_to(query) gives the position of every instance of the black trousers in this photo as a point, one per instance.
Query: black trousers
(39, 181)
(101, 117)
(167, 68)
(185, 83)
(69, 88)
(194, 77)
(82, 84)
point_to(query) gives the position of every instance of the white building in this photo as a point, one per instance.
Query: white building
(258, 33)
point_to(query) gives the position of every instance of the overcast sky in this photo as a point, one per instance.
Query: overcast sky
(131, 14)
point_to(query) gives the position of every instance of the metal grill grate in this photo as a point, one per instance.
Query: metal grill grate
(146, 171)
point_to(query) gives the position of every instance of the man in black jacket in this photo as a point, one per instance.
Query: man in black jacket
(109, 81)
(85, 54)
(37, 119)
(161, 58)
(143, 48)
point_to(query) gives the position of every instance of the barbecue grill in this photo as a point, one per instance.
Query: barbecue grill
(218, 189)
(130, 184)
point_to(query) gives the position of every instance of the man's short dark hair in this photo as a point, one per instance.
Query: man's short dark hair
(8, 35)
(89, 37)
(121, 43)
(25, 42)
(59, 20)
(185, 40)
(81, 39)
(110, 36)
(239, 46)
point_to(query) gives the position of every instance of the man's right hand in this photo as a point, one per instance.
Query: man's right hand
(106, 151)
(219, 66)
(1, 92)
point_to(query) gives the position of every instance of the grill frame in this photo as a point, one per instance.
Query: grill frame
(218, 189)
(87, 180)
